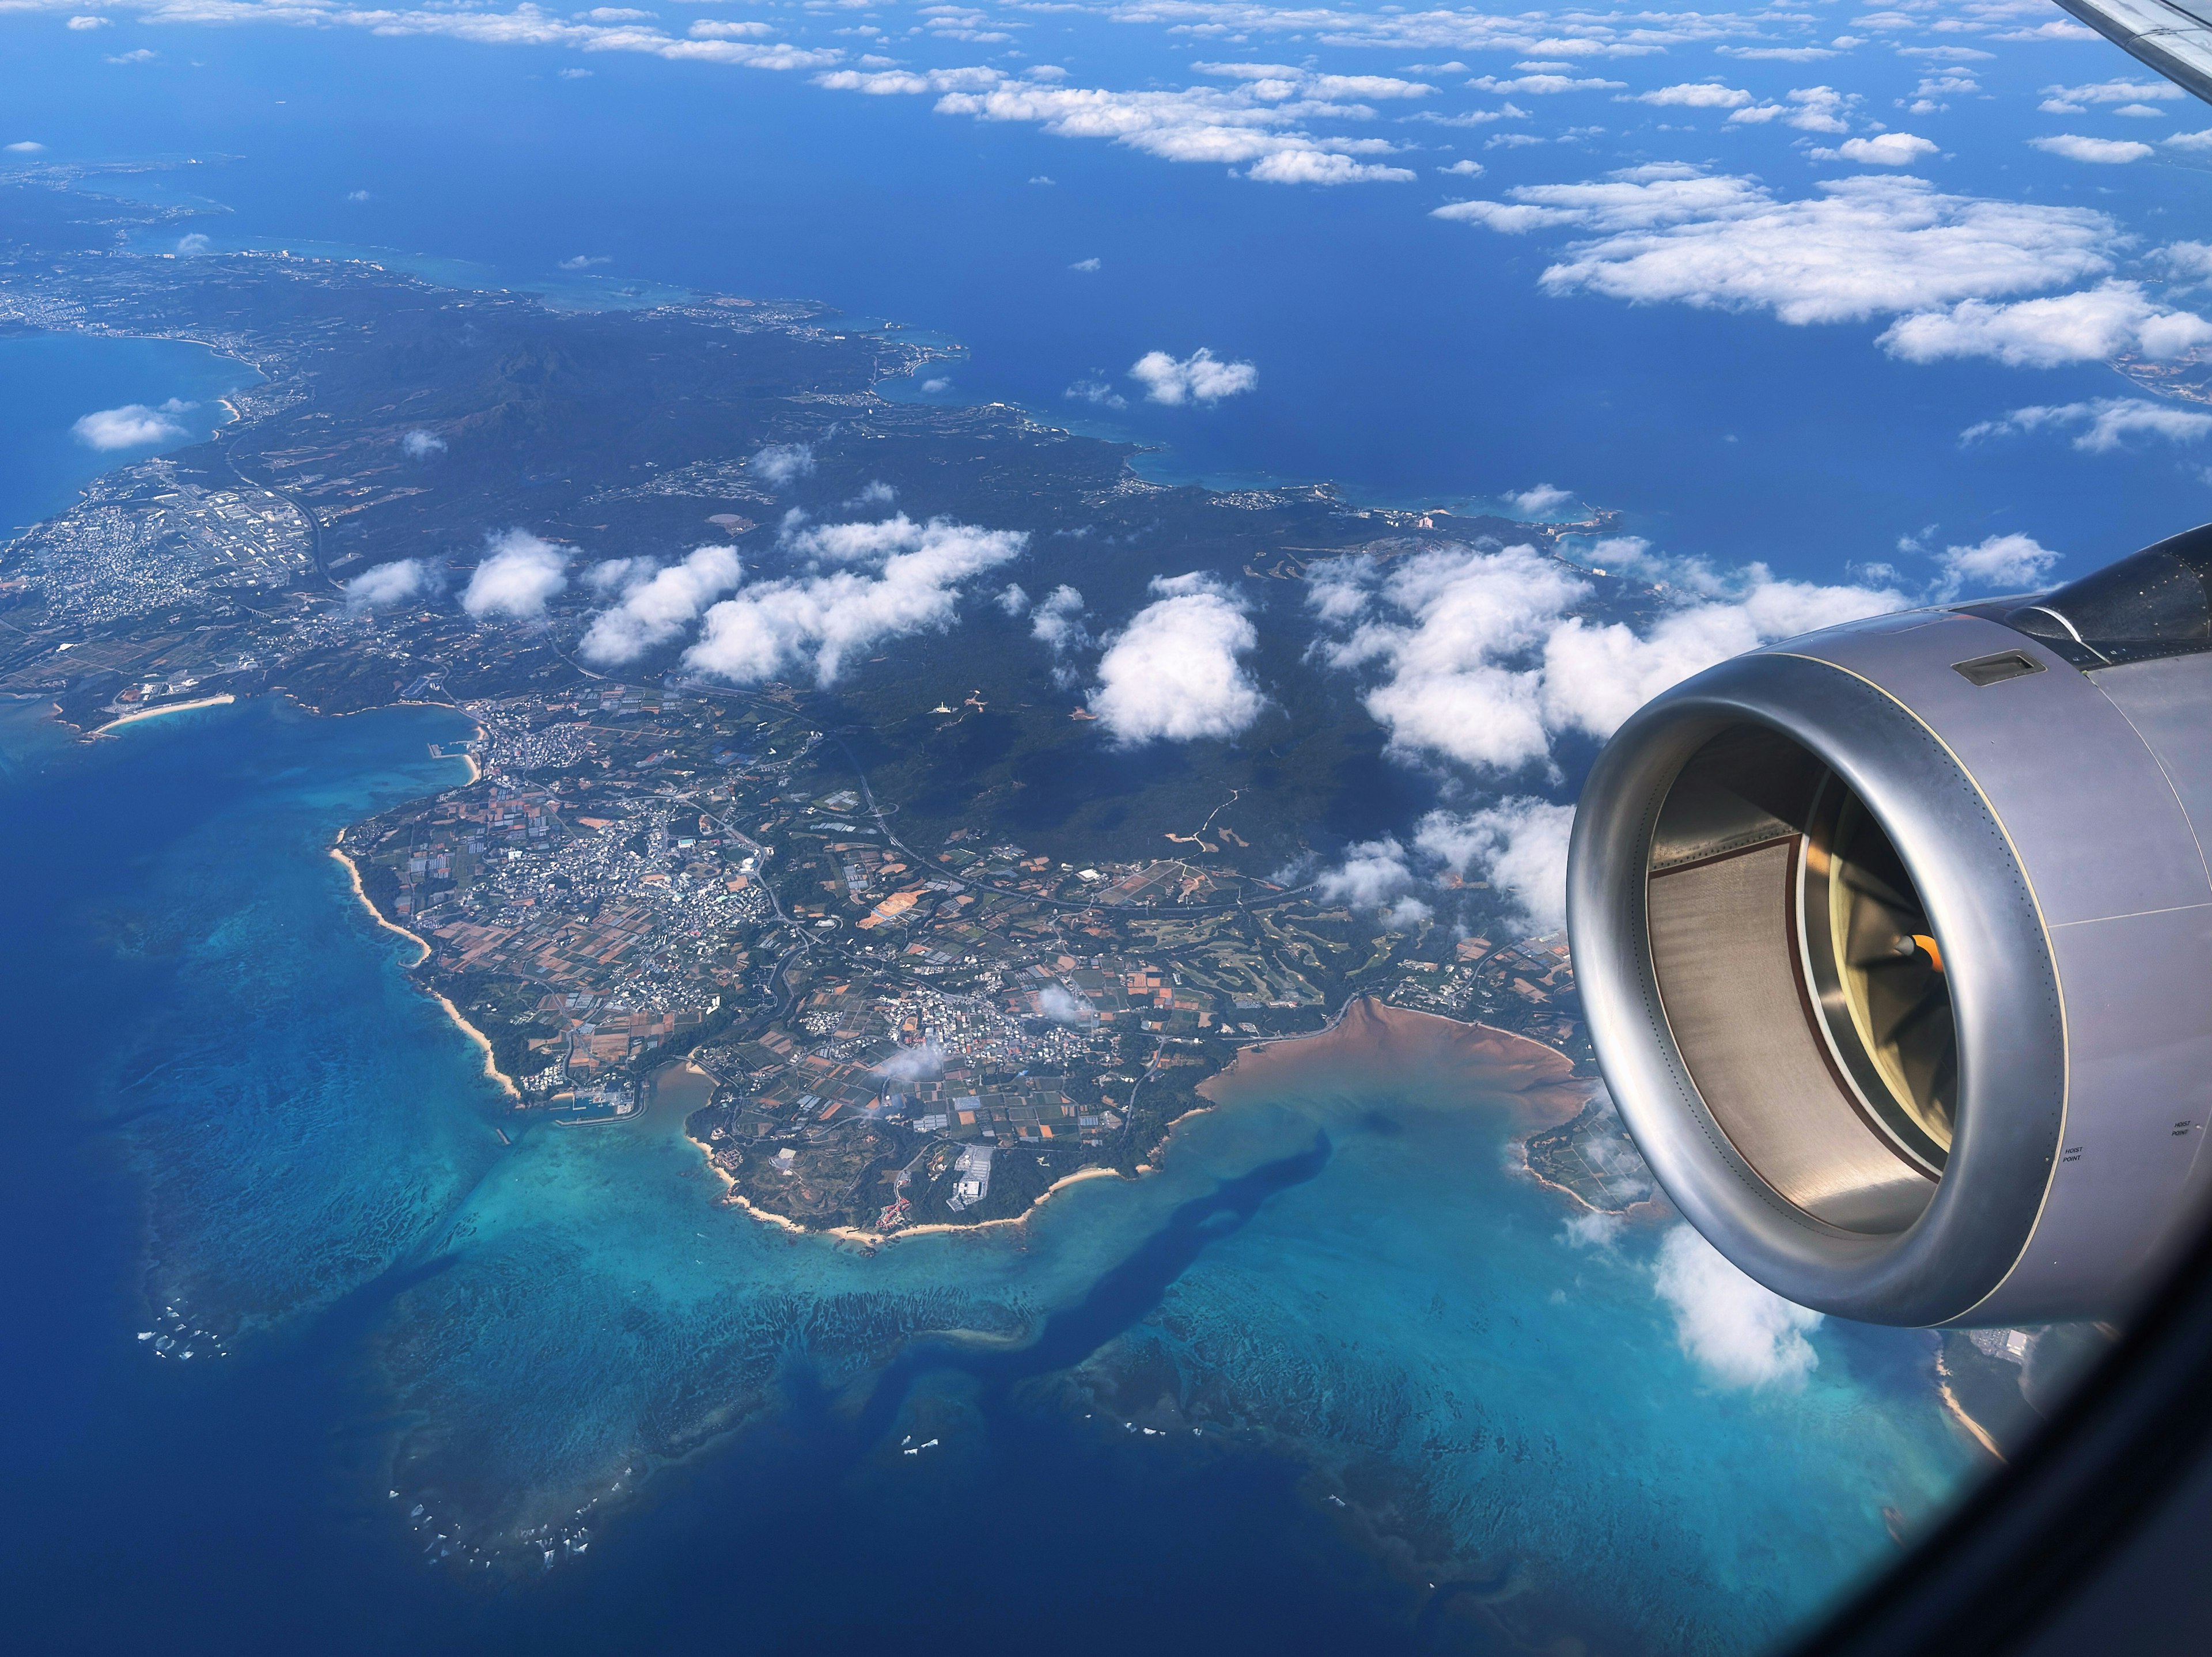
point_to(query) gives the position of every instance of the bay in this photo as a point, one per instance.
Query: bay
(240, 1124)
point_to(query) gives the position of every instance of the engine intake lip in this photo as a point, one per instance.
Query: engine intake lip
(2004, 988)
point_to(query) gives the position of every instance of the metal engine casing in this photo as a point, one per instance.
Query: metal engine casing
(2055, 824)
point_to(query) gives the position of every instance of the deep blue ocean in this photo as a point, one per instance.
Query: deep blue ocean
(235, 1126)
(1412, 359)
(229, 1114)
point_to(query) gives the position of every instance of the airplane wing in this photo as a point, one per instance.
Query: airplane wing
(2174, 39)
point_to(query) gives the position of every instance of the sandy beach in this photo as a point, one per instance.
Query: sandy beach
(157, 713)
(492, 1071)
(1437, 1059)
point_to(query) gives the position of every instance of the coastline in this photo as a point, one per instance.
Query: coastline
(491, 1070)
(117, 724)
(1974, 1429)
(1540, 1080)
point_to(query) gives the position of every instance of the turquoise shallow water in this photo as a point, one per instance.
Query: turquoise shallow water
(238, 1107)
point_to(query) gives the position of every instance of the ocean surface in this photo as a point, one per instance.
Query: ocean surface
(48, 382)
(1371, 1357)
(1413, 361)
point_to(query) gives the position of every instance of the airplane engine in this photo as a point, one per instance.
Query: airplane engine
(1895, 941)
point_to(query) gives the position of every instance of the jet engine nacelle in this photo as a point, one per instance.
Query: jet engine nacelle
(1895, 941)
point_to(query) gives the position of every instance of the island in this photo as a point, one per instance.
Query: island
(933, 945)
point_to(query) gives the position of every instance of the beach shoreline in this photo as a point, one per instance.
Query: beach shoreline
(117, 724)
(491, 1070)
(1540, 1080)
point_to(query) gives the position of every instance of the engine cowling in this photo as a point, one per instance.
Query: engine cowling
(1895, 941)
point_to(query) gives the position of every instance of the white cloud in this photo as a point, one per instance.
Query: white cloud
(1098, 391)
(1545, 85)
(133, 426)
(1776, 54)
(1014, 599)
(1372, 874)
(922, 1063)
(2107, 422)
(1084, 265)
(1821, 109)
(1201, 377)
(1739, 1332)
(872, 495)
(1695, 94)
(1063, 1006)
(614, 574)
(2107, 152)
(2189, 260)
(1863, 247)
(1261, 123)
(658, 607)
(1595, 1230)
(388, 584)
(1058, 625)
(819, 621)
(420, 445)
(1886, 149)
(1544, 498)
(520, 573)
(585, 261)
(2189, 140)
(26, 147)
(1519, 845)
(1176, 671)
(1477, 657)
(194, 243)
(1512, 219)
(139, 55)
(2073, 100)
(779, 463)
(1464, 167)
(2088, 326)
(2001, 563)
(88, 22)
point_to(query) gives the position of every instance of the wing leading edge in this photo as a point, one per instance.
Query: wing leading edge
(2174, 40)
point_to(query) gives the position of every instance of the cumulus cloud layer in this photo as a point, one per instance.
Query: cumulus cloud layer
(1057, 624)
(133, 426)
(657, 607)
(520, 574)
(1863, 247)
(1946, 267)
(2102, 425)
(888, 579)
(1176, 672)
(1517, 847)
(1476, 656)
(1200, 377)
(780, 464)
(1740, 1333)
(1260, 122)
(2103, 152)
(2089, 325)
(389, 583)
(1884, 150)
(2000, 563)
